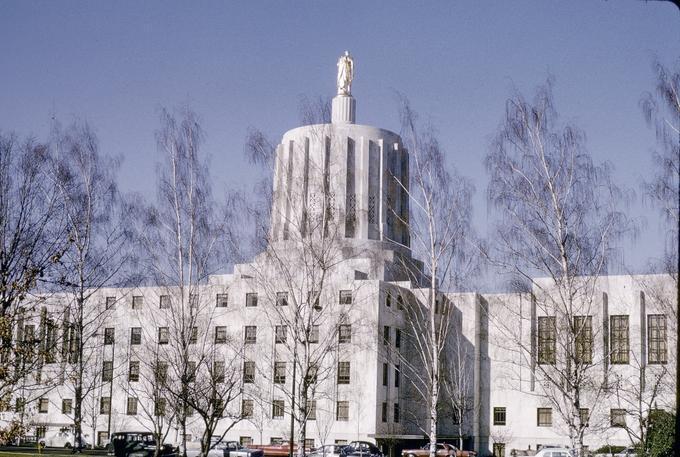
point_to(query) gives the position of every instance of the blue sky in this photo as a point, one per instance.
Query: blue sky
(241, 64)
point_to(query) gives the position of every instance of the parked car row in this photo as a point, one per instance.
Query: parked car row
(443, 450)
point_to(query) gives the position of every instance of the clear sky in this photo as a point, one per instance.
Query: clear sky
(241, 64)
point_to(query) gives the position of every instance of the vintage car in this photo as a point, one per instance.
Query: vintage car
(223, 449)
(362, 449)
(443, 450)
(137, 444)
(328, 450)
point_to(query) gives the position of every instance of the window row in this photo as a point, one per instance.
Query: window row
(544, 417)
(618, 338)
(278, 410)
(345, 297)
(160, 372)
(395, 412)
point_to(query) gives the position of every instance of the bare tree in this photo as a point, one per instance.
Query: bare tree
(85, 181)
(458, 380)
(184, 239)
(33, 238)
(441, 235)
(558, 218)
(662, 109)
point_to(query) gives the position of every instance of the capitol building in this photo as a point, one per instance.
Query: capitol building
(321, 331)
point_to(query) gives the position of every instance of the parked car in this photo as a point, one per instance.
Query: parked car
(137, 444)
(328, 450)
(362, 449)
(219, 448)
(555, 452)
(627, 452)
(66, 440)
(279, 449)
(443, 450)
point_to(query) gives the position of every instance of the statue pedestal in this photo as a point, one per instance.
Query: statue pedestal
(343, 109)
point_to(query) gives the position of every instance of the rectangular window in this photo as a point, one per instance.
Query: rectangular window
(385, 374)
(159, 407)
(384, 412)
(386, 335)
(164, 302)
(547, 340)
(163, 335)
(218, 407)
(544, 417)
(279, 372)
(345, 297)
(397, 337)
(396, 375)
(109, 335)
(311, 410)
(251, 299)
(400, 302)
(191, 371)
(250, 334)
(247, 408)
(281, 298)
(499, 416)
(248, 372)
(110, 302)
(219, 371)
(41, 431)
(309, 443)
(342, 411)
(584, 416)
(133, 375)
(498, 449)
(105, 405)
(220, 334)
(107, 371)
(245, 441)
(618, 338)
(19, 405)
(193, 338)
(313, 299)
(277, 409)
(193, 300)
(314, 334)
(43, 405)
(222, 300)
(388, 299)
(67, 406)
(137, 301)
(312, 373)
(618, 417)
(656, 339)
(136, 335)
(280, 334)
(344, 333)
(583, 331)
(343, 372)
(161, 372)
(397, 413)
(131, 406)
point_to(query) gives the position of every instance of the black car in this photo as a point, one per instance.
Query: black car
(137, 444)
(361, 449)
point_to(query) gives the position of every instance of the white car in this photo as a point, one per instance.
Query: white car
(328, 450)
(555, 452)
(64, 439)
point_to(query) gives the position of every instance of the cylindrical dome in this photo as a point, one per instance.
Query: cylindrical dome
(353, 177)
